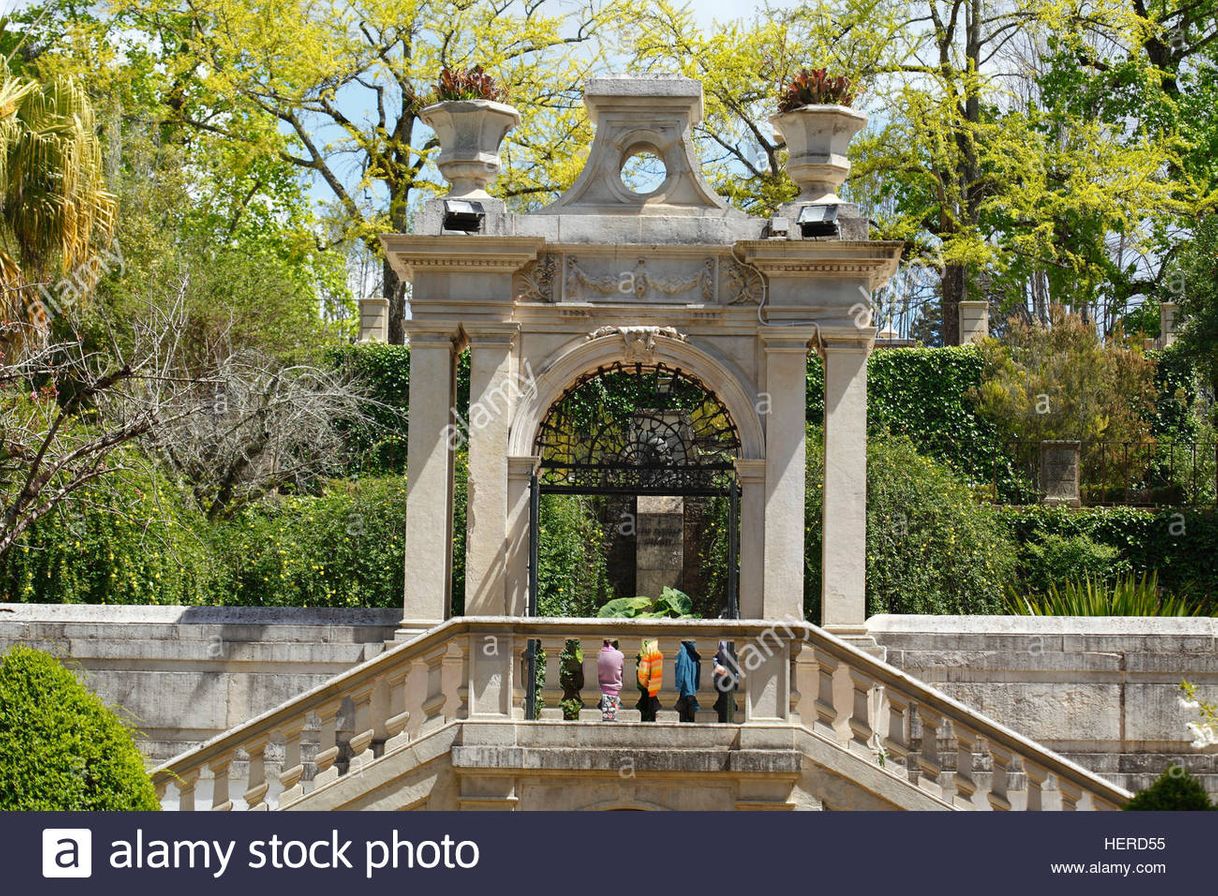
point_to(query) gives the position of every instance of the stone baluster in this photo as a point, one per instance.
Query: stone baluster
(861, 730)
(826, 706)
(929, 763)
(365, 730)
(551, 687)
(964, 780)
(1070, 792)
(186, 783)
(452, 680)
(803, 684)
(1037, 776)
(256, 782)
(418, 682)
(327, 745)
(291, 771)
(1000, 772)
(220, 800)
(397, 716)
(896, 740)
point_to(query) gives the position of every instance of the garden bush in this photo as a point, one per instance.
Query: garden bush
(925, 394)
(61, 748)
(130, 539)
(1181, 545)
(932, 547)
(1053, 559)
(1173, 791)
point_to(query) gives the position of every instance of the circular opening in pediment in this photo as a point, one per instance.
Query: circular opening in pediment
(643, 171)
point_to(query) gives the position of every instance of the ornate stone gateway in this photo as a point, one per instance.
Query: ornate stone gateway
(701, 314)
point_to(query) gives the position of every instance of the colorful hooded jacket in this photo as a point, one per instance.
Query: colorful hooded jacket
(688, 668)
(651, 667)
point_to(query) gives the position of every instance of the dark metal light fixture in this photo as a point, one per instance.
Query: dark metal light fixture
(818, 221)
(463, 216)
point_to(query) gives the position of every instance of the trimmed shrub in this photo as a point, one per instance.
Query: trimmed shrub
(1054, 559)
(128, 539)
(1173, 791)
(61, 748)
(1181, 545)
(932, 547)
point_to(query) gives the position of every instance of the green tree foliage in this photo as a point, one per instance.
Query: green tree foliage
(572, 573)
(61, 748)
(1173, 791)
(1054, 559)
(1197, 273)
(932, 547)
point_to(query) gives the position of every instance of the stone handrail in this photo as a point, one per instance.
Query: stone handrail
(476, 668)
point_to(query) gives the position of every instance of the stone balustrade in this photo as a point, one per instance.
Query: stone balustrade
(476, 669)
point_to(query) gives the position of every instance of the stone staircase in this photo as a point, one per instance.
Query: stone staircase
(438, 722)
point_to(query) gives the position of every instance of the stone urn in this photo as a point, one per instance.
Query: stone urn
(470, 132)
(816, 138)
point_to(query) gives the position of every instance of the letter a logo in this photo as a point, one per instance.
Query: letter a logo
(67, 852)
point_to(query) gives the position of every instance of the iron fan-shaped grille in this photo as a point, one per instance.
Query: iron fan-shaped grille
(638, 429)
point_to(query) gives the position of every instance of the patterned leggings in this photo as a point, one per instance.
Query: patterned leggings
(609, 707)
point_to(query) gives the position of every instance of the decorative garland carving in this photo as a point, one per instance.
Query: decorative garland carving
(640, 282)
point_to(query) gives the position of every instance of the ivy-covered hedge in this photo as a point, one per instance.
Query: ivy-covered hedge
(61, 748)
(1180, 544)
(924, 394)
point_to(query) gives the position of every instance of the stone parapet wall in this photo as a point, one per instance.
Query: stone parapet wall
(182, 675)
(1102, 691)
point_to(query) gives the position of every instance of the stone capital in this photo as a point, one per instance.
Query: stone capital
(750, 471)
(410, 253)
(522, 466)
(490, 334)
(872, 262)
(780, 338)
(431, 334)
(844, 339)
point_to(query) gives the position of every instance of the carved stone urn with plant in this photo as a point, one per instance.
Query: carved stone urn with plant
(470, 118)
(817, 124)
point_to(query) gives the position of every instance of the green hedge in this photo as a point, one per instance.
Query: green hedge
(128, 540)
(932, 547)
(61, 748)
(343, 548)
(1180, 544)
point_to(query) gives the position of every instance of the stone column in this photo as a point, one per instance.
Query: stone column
(844, 523)
(751, 475)
(429, 478)
(520, 473)
(493, 391)
(786, 365)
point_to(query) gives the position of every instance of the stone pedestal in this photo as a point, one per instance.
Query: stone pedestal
(374, 319)
(974, 321)
(1059, 472)
(659, 546)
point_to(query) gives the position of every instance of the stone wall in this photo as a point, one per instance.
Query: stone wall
(1102, 691)
(182, 675)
